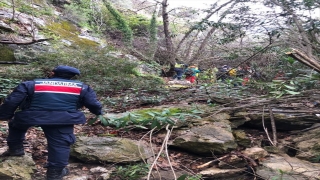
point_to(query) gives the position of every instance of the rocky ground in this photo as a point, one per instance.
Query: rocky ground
(36, 145)
(182, 162)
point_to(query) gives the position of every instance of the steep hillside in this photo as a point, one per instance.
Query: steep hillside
(36, 37)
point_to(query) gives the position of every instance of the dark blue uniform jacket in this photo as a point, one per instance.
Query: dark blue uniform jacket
(51, 101)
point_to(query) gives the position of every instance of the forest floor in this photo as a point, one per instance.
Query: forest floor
(182, 162)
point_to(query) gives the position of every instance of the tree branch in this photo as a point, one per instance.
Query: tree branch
(15, 62)
(25, 43)
(273, 126)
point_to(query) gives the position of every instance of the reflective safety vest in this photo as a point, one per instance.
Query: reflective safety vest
(178, 65)
(233, 72)
(55, 95)
(197, 74)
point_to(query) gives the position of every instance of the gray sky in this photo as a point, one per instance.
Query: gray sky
(206, 3)
(190, 3)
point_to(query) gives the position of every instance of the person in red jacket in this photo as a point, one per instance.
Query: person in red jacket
(52, 104)
(193, 73)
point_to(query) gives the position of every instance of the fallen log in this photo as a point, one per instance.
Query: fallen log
(303, 58)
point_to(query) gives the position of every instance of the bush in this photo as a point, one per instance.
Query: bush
(77, 14)
(139, 24)
(102, 72)
(6, 86)
(131, 172)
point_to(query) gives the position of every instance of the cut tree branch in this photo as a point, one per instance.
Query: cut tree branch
(273, 126)
(305, 59)
(14, 62)
(25, 43)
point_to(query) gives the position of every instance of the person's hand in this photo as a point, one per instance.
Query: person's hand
(103, 120)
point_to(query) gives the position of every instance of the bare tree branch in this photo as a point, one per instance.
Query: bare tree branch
(25, 43)
(14, 62)
(204, 19)
(273, 126)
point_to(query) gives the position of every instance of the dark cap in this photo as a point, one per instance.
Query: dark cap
(66, 69)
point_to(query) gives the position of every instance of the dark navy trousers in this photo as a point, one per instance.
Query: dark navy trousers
(179, 73)
(59, 139)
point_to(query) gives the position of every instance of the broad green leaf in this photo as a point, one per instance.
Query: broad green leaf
(103, 120)
(196, 111)
(161, 118)
(282, 93)
(151, 114)
(93, 120)
(165, 112)
(290, 87)
(275, 92)
(292, 92)
(278, 81)
(182, 177)
(141, 127)
(154, 124)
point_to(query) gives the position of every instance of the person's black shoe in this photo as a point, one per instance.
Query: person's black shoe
(54, 173)
(17, 150)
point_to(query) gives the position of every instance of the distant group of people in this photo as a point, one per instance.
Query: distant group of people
(189, 72)
(213, 73)
(244, 72)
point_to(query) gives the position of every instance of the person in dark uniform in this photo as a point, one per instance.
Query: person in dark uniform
(179, 68)
(52, 104)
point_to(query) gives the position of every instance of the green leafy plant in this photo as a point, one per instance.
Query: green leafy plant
(138, 23)
(77, 14)
(153, 29)
(101, 118)
(281, 87)
(6, 86)
(131, 172)
(122, 24)
(316, 159)
(149, 119)
(190, 177)
(4, 4)
(280, 177)
(102, 71)
(2, 129)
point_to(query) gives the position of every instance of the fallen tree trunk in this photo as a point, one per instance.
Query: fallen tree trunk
(303, 58)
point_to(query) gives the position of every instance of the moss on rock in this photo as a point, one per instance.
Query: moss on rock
(68, 31)
(7, 54)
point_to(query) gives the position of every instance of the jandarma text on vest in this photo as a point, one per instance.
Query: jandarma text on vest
(59, 83)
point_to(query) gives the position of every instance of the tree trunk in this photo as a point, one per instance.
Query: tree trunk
(203, 20)
(13, 10)
(273, 126)
(306, 41)
(189, 48)
(209, 34)
(168, 39)
(203, 44)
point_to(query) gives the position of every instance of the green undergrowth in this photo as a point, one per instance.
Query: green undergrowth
(150, 118)
(101, 71)
(131, 172)
(65, 30)
(7, 54)
(6, 86)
